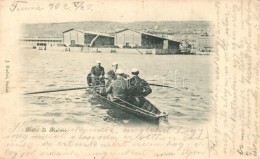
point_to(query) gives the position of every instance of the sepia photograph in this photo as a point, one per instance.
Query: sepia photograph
(104, 72)
(129, 79)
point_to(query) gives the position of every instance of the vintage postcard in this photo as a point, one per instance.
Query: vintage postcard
(96, 79)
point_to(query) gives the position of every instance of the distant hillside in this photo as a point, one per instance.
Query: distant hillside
(56, 29)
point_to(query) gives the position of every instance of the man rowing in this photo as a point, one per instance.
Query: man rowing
(111, 75)
(96, 75)
(137, 88)
(118, 87)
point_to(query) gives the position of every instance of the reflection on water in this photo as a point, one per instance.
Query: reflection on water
(187, 104)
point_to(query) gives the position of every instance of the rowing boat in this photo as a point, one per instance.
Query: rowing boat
(145, 111)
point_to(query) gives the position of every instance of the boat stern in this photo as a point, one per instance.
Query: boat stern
(163, 117)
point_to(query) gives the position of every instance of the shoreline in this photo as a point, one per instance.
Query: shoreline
(109, 51)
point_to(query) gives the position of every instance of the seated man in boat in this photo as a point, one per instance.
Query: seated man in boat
(126, 76)
(118, 87)
(111, 75)
(96, 76)
(137, 88)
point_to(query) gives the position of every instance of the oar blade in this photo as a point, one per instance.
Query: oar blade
(56, 90)
(60, 90)
(159, 85)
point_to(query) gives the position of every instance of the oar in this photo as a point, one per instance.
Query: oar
(60, 90)
(78, 88)
(159, 85)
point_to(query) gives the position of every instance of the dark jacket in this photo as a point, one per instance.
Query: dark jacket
(133, 86)
(97, 71)
(118, 88)
(138, 87)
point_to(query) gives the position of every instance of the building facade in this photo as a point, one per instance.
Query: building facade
(76, 37)
(130, 38)
(205, 43)
(34, 42)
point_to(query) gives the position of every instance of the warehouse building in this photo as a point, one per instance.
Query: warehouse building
(205, 43)
(33, 42)
(76, 37)
(130, 38)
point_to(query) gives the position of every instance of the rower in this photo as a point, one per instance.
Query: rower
(137, 88)
(118, 87)
(97, 74)
(111, 75)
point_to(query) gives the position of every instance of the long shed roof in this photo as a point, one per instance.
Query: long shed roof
(146, 34)
(88, 32)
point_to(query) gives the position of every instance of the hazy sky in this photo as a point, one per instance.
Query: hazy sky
(112, 10)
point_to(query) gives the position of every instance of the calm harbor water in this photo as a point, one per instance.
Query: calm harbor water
(187, 104)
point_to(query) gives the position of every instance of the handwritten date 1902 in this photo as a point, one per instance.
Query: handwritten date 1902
(68, 6)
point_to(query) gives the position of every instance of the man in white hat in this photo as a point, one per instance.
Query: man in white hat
(97, 73)
(112, 73)
(118, 87)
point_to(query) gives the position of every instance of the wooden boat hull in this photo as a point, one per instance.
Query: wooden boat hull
(148, 113)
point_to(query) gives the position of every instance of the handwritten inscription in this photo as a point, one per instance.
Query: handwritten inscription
(22, 6)
(26, 141)
(235, 85)
(66, 6)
